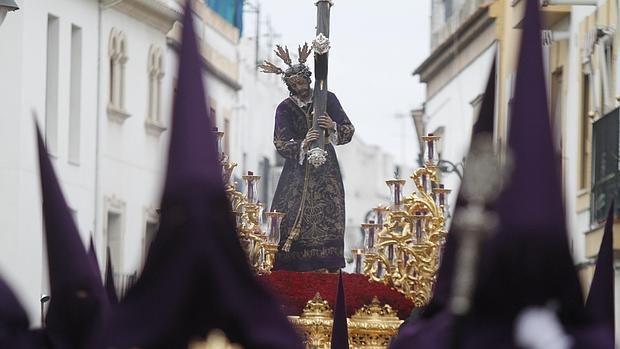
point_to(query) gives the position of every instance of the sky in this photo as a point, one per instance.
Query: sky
(376, 46)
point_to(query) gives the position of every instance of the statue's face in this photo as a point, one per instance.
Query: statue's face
(299, 84)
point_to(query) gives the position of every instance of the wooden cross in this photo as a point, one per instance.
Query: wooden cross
(320, 45)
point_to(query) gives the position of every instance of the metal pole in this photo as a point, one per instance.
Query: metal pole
(256, 44)
(44, 299)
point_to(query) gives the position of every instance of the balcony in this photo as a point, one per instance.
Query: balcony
(443, 28)
(605, 165)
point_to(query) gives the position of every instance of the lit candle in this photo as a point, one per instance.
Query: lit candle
(430, 145)
(379, 218)
(273, 225)
(425, 183)
(418, 227)
(390, 253)
(273, 222)
(250, 187)
(380, 215)
(379, 273)
(251, 182)
(371, 236)
(442, 195)
(359, 262)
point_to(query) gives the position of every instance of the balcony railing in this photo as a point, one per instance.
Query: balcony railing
(605, 165)
(124, 282)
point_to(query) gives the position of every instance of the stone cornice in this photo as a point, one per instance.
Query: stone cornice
(217, 64)
(455, 43)
(160, 14)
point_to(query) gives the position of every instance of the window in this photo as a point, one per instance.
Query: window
(231, 11)
(155, 66)
(212, 111)
(75, 95)
(117, 54)
(113, 232)
(605, 64)
(213, 116)
(227, 136)
(447, 8)
(156, 74)
(557, 123)
(113, 228)
(149, 236)
(150, 230)
(556, 107)
(584, 127)
(51, 86)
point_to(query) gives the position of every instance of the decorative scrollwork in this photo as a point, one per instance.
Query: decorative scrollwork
(321, 44)
(403, 249)
(371, 327)
(260, 241)
(317, 156)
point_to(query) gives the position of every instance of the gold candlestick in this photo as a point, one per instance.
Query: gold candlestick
(407, 245)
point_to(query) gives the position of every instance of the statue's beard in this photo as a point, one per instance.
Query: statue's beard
(304, 94)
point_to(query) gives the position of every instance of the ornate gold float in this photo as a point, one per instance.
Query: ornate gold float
(402, 245)
(371, 327)
(259, 240)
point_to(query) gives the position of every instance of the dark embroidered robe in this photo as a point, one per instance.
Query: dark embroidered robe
(319, 209)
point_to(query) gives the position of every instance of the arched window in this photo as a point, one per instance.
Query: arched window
(156, 74)
(117, 55)
(155, 67)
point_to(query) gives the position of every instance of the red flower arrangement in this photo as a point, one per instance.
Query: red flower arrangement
(295, 289)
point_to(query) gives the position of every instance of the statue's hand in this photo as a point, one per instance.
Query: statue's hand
(326, 122)
(311, 136)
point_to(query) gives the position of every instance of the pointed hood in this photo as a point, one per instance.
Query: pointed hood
(14, 323)
(12, 315)
(110, 289)
(93, 256)
(528, 260)
(483, 125)
(600, 303)
(340, 333)
(196, 277)
(77, 298)
(192, 156)
(429, 331)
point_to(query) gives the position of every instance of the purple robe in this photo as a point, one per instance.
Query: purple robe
(312, 197)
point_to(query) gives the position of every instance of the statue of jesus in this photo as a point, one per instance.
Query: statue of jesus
(312, 197)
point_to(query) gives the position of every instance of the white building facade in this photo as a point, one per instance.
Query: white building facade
(463, 49)
(101, 77)
(48, 64)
